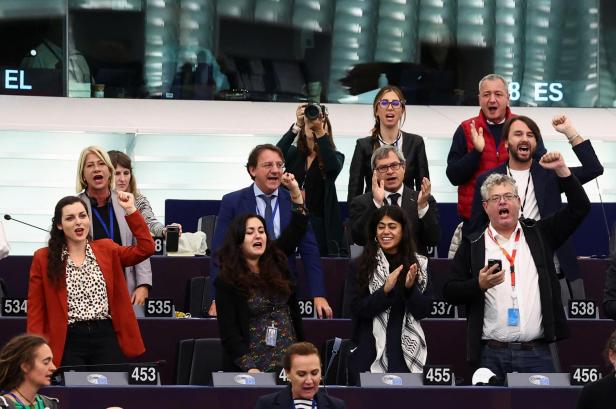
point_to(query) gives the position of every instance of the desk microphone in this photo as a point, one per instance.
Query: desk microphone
(8, 217)
(335, 349)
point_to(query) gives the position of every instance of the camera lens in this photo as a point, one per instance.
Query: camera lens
(312, 111)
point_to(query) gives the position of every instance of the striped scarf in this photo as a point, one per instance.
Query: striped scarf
(413, 340)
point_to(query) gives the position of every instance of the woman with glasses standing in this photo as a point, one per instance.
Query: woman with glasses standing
(389, 114)
(316, 164)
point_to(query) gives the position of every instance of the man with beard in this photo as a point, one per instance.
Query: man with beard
(477, 145)
(540, 190)
(514, 310)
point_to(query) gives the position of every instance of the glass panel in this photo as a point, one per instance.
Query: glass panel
(32, 55)
(554, 52)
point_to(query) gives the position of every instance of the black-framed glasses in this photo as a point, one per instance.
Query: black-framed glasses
(508, 197)
(393, 166)
(395, 103)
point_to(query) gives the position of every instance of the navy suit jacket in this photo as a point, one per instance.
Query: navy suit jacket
(548, 191)
(243, 201)
(284, 400)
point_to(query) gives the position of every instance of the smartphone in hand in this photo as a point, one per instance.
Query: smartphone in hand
(493, 261)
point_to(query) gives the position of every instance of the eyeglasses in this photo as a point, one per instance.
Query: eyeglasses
(508, 197)
(270, 165)
(395, 104)
(393, 166)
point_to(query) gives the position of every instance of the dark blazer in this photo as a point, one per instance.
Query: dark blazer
(284, 400)
(609, 291)
(232, 305)
(365, 307)
(333, 162)
(426, 231)
(543, 237)
(360, 173)
(548, 194)
(48, 306)
(243, 201)
(600, 394)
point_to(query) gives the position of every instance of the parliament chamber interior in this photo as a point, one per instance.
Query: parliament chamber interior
(187, 88)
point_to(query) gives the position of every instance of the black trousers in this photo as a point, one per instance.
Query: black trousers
(91, 343)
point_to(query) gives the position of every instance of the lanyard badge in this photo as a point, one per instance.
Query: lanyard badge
(271, 334)
(513, 313)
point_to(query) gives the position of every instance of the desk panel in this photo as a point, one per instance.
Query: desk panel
(355, 398)
(446, 340)
(171, 276)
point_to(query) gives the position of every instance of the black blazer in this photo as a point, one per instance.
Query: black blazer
(360, 173)
(426, 231)
(548, 194)
(543, 237)
(609, 291)
(365, 307)
(232, 305)
(600, 394)
(333, 162)
(284, 400)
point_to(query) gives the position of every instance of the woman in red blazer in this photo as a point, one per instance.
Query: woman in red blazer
(77, 295)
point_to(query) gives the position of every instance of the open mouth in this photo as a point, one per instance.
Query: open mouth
(257, 245)
(503, 212)
(523, 148)
(386, 239)
(492, 110)
(98, 178)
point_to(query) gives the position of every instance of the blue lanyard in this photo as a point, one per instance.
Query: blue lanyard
(109, 230)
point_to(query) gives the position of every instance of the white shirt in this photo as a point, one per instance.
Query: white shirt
(498, 299)
(4, 244)
(522, 179)
(260, 210)
(420, 212)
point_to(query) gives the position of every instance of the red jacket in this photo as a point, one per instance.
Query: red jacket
(491, 156)
(48, 305)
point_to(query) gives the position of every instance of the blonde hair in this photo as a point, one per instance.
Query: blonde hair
(101, 154)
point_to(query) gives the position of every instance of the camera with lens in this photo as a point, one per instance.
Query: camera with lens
(313, 111)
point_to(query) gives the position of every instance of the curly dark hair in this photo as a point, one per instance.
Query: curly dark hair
(302, 144)
(406, 248)
(18, 351)
(57, 241)
(376, 130)
(234, 269)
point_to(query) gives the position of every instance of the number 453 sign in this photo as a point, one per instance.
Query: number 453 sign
(143, 375)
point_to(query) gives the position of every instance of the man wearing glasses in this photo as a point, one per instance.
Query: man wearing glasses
(265, 198)
(540, 190)
(477, 146)
(505, 275)
(388, 168)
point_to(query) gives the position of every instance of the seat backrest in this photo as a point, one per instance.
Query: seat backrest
(199, 296)
(184, 361)
(338, 374)
(207, 358)
(207, 224)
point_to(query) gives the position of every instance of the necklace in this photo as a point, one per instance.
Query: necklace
(36, 403)
(394, 143)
